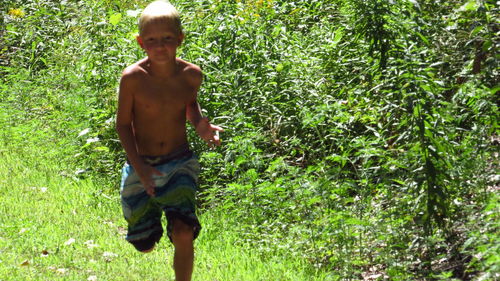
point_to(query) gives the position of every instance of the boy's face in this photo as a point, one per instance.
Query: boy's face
(160, 41)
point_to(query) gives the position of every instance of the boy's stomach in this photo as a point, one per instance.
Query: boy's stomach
(160, 143)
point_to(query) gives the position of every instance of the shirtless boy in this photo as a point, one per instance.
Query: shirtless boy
(157, 94)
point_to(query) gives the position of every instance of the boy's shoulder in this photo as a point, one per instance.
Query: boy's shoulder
(188, 66)
(135, 70)
(190, 70)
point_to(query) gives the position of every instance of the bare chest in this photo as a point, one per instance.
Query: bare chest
(162, 97)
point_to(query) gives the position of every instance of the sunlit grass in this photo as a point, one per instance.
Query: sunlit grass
(58, 227)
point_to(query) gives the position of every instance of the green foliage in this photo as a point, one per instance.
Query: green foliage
(358, 133)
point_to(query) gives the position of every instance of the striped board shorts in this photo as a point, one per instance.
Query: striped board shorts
(175, 196)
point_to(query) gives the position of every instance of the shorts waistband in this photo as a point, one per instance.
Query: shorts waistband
(179, 153)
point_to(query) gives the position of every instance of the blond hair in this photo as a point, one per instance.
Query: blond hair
(159, 11)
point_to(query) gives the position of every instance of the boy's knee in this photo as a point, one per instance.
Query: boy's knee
(144, 246)
(182, 233)
(148, 250)
(147, 245)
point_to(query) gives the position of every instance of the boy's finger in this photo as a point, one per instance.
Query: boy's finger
(152, 186)
(217, 128)
(149, 187)
(150, 190)
(211, 142)
(215, 141)
(158, 172)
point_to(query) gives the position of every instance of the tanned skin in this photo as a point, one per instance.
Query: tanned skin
(157, 96)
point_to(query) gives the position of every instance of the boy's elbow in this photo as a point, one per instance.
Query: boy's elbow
(192, 113)
(118, 130)
(121, 127)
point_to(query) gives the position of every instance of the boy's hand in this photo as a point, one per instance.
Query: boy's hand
(208, 132)
(146, 173)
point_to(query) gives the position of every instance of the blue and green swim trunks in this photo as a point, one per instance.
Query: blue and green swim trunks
(175, 196)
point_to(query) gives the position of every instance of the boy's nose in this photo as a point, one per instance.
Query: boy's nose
(159, 45)
(164, 44)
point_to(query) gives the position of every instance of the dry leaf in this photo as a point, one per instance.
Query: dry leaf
(41, 189)
(70, 241)
(122, 230)
(90, 244)
(25, 263)
(45, 253)
(108, 256)
(62, 270)
(373, 277)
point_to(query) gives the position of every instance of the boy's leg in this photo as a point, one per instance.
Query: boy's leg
(182, 238)
(143, 216)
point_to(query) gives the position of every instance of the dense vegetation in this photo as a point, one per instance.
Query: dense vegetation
(360, 135)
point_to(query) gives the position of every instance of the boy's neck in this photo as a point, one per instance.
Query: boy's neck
(162, 69)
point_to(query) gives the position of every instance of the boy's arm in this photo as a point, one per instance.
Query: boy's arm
(125, 132)
(124, 117)
(207, 131)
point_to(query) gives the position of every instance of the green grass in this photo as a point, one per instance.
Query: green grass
(57, 227)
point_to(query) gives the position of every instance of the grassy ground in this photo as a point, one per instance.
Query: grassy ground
(55, 226)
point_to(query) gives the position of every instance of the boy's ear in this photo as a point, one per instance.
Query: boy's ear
(181, 38)
(139, 41)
